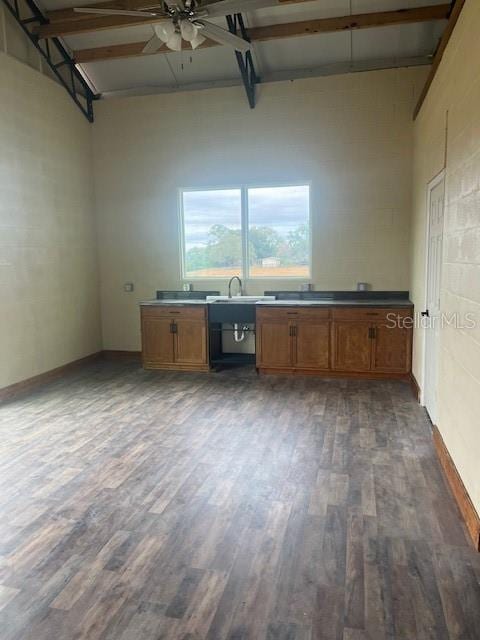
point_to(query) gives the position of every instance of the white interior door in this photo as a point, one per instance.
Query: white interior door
(436, 197)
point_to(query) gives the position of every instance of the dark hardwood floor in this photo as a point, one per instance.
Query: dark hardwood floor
(146, 505)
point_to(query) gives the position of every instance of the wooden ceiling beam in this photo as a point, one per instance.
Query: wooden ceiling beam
(287, 30)
(92, 23)
(349, 23)
(456, 9)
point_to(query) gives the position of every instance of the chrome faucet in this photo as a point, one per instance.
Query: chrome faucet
(230, 286)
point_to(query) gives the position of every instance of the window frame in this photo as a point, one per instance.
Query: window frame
(244, 229)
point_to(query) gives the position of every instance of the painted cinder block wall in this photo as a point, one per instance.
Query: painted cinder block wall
(447, 134)
(350, 136)
(50, 312)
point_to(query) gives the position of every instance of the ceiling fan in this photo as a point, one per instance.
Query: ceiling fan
(185, 20)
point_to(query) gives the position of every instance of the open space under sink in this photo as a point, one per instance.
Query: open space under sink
(232, 317)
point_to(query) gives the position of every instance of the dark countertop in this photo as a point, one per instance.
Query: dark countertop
(183, 303)
(381, 303)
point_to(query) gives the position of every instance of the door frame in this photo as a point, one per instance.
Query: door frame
(430, 187)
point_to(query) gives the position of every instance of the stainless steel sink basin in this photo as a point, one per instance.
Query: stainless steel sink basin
(237, 299)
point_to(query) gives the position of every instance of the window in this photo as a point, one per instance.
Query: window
(258, 232)
(279, 232)
(212, 233)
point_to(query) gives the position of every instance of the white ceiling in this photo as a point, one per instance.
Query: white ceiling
(290, 57)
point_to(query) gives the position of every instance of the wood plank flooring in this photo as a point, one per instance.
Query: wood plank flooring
(147, 505)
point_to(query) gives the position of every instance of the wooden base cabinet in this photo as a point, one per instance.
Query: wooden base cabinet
(363, 342)
(157, 341)
(174, 337)
(391, 349)
(311, 339)
(351, 346)
(371, 340)
(366, 342)
(273, 340)
(290, 339)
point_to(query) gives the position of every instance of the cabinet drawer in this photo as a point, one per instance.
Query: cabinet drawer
(174, 311)
(292, 313)
(369, 314)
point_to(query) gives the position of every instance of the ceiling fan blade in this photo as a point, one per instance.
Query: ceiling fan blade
(213, 32)
(228, 7)
(121, 12)
(154, 44)
(175, 3)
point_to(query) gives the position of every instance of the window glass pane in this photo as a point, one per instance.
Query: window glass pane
(278, 233)
(212, 233)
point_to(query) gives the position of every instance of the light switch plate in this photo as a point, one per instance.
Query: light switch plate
(128, 287)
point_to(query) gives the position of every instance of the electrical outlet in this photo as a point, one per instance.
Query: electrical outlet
(128, 287)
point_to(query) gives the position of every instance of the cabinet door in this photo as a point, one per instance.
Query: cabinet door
(190, 341)
(274, 343)
(157, 341)
(352, 346)
(392, 349)
(312, 344)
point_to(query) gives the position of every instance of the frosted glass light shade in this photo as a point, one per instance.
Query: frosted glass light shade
(187, 30)
(165, 30)
(197, 40)
(175, 42)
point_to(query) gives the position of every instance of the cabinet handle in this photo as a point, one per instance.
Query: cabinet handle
(371, 333)
(294, 331)
(372, 313)
(173, 328)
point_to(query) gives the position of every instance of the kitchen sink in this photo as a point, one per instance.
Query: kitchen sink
(238, 299)
(235, 310)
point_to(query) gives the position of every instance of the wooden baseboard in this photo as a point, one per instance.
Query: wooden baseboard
(472, 520)
(186, 368)
(110, 354)
(332, 373)
(415, 387)
(24, 386)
